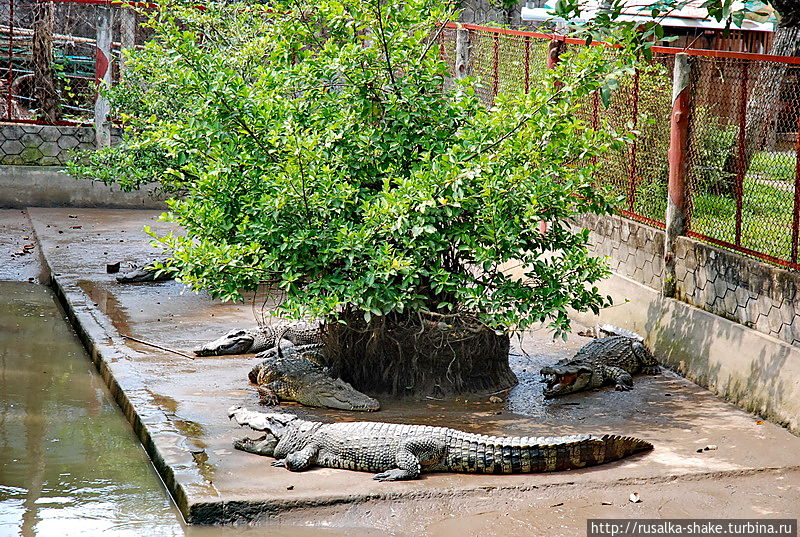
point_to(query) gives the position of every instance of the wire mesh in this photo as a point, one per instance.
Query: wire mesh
(48, 57)
(743, 156)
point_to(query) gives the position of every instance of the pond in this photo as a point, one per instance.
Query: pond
(70, 464)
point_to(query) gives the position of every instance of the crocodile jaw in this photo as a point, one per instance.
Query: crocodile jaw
(336, 393)
(234, 342)
(561, 381)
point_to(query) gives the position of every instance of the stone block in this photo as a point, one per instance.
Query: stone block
(50, 134)
(31, 129)
(11, 132)
(30, 139)
(50, 149)
(68, 142)
(31, 155)
(12, 147)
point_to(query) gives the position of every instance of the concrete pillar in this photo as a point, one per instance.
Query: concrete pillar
(102, 70)
(127, 30)
(462, 52)
(676, 217)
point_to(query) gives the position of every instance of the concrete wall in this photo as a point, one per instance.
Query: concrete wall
(733, 286)
(42, 145)
(48, 186)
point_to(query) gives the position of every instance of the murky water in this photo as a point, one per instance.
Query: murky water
(70, 464)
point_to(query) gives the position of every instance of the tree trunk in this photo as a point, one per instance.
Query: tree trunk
(44, 87)
(764, 99)
(418, 354)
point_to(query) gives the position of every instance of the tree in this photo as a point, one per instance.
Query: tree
(317, 152)
(44, 88)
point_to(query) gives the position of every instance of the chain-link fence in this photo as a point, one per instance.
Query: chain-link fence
(743, 156)
(53, 53)
(743, 185)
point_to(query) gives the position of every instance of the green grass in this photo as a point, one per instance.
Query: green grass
(778, 165)
(767, 214)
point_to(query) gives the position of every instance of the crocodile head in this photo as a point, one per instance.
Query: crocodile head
(274, 424)
(564, 379)
(336, 393)
(234, 342)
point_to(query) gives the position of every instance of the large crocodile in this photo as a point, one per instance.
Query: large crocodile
(400, 452)
(262, 338)
(293, 375)
(607, 360)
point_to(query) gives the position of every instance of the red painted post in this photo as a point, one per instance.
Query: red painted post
(741, 161)
(676, 219)
(632, 175)
(796, 219)
(10, 79)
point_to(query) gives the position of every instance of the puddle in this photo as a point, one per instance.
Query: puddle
(70, 464)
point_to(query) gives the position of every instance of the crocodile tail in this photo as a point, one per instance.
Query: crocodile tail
(503, 455)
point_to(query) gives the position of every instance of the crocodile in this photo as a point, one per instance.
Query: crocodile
(294, 375)
(606, 360)
(147, 273)
(262, 338)
(399, 452)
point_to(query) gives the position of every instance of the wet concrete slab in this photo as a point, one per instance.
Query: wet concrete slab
(177, 405)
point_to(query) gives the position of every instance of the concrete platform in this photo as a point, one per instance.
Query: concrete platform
(177, 406)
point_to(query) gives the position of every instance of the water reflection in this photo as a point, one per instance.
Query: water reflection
(70, 464)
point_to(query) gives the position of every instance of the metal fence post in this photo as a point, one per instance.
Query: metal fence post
(462, 52)
(102, 73)
(678, 167)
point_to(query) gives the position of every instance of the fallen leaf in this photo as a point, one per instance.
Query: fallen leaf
(710, 447)
(634, 497)
(76, 227)
(495, 399)
(557, 504)
(606, 503)
(760, 422)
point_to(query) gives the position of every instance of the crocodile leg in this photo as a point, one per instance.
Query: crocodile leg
(408, 459)
(297, 461)
(267, 395)
(649, 365)
(622, 379)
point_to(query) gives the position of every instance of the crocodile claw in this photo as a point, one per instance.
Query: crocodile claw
(281, 463)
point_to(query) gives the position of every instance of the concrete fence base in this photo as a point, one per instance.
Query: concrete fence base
(49, 186)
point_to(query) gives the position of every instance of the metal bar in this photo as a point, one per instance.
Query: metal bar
(527, 64)
(10, 81)
(496, 74)
(796, 216)
(632, 174)
(664, 50)
(639, 217)
(741, 160)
